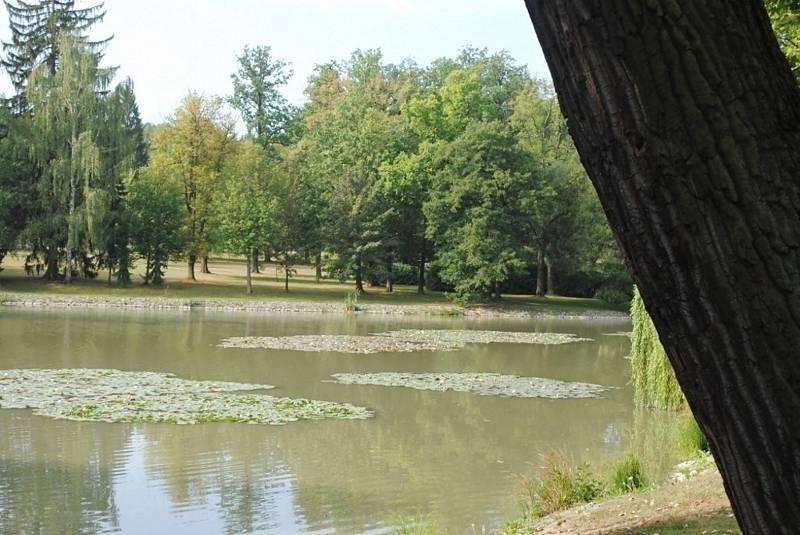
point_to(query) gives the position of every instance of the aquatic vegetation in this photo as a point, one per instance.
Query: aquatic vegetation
(339, 343)
(691, 439)
(627, 475)
(620, 333)
(402, 341)
(485, 384)
(560, 485)
(119, 396)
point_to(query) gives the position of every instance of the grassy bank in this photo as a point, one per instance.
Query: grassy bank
(227, 281)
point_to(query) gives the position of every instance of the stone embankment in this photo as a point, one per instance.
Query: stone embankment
(264, 306)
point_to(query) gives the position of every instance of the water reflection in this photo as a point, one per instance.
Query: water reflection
(451, 455)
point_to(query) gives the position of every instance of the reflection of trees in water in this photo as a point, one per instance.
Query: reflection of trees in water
(439, 453)
(57, 477)
(237, 471)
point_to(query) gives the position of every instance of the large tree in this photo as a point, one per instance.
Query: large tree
(687, 118)
(191, 150)
(36, 29)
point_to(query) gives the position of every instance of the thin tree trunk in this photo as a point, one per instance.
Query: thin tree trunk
(496, 289)
(249, 276)
(551, 275)
(256, 267)
(541, 273)
(687, 118)
(286, 278)
(51, 258)
(318, 267)
(421, 275)
(72, 194)
(190, 264)
(204, 265)
(147, 268)
(359, 279)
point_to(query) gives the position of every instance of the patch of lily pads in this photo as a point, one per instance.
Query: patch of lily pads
(485, 384)
(402, 341)
(103, 395)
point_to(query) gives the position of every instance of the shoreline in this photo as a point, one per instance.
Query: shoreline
(276, 306)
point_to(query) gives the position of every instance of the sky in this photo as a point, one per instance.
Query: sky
(170, 47)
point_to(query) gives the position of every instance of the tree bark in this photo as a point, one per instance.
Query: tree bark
(551, 275)
(286, 278)
(687, 118)
(318, 267)
(249, 275)
(256, 267)
(541, 273)
(204, 265)
(190, 264)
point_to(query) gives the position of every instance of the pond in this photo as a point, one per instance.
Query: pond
(452, 457)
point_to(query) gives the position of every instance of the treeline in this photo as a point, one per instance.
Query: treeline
(458, 176)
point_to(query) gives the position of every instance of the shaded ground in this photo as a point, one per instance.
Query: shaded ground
(695, 506)
(227, 280)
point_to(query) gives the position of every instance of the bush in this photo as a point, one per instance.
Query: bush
(691, 439)
(614, 296)
(560, 486)
(628, 475)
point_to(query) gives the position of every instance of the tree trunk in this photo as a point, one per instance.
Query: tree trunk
(687, 118)
(541, 273)
(256, 267)
(496, 291)
(72, 195)
(389, 285)
(249, 276)
(286, 278)
(359, 279)
(421, 275)
(551, 275)
(192, 261)
(318, 267)
(51, 258)
(204, 265)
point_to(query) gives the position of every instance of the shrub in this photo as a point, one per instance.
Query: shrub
(691, 439)
(560, 486)
(613, 296)
(351, 302)
(628, 475)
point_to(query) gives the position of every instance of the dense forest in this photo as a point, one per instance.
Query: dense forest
(458, 176)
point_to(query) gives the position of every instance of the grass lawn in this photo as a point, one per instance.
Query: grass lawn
(227, 281)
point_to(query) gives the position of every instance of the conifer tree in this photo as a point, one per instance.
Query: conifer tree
(35, 32)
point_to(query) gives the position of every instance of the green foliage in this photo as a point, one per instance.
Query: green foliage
(415, 525)
(691, 439)
(351, 302)
(613, 296)
(785, 17)
(157, 222)
(256, 95)
(654, 381)
(560, 485)
(627, 475)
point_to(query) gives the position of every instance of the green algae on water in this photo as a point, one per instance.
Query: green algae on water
(117, 396)
(485, 384)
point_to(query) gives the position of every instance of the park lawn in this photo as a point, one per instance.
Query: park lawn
(227, 281)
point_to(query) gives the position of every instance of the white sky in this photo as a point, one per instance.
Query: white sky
(169, 47)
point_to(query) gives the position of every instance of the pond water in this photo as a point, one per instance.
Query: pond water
(452, 457)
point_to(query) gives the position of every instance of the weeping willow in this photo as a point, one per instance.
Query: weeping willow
(654, 382)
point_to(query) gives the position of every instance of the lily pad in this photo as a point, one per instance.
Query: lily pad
(462, 337)
(402, 341)
(485, 384)
(338, 343)
(117, 396)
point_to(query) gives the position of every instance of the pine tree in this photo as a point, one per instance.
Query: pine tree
(35, 33)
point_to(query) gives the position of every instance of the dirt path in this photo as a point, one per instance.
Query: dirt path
(695, 506)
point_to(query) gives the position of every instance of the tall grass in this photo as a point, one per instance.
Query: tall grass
(560, 485)
(628, 475)
(415, 525)
(654, 382)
